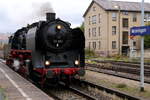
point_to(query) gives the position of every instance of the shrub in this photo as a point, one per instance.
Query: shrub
(89, 53)
(121, 85)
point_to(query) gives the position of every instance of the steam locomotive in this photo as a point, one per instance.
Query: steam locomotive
(47, 51)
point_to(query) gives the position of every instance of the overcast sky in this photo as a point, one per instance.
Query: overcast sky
(17, 13)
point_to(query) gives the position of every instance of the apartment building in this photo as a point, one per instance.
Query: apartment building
(107, 26)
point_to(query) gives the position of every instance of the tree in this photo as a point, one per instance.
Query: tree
(81, 27)
(147, 39)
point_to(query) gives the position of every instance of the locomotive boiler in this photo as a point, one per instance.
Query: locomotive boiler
(48, 50)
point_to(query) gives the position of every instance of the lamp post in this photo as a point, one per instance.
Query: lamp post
(119, 10)
(142, 49)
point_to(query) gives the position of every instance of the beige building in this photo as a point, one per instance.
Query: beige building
(108, 23)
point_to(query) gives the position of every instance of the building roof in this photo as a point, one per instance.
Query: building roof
(122, 6)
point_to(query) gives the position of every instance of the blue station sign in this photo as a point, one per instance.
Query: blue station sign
(141, 31)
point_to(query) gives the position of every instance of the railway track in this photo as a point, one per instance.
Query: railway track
(63, 92)
(85, 90)
(122, 62)
(107, 93)
(118, 74)
(121, 67)
(124, 70)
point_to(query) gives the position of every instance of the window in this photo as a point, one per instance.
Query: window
(99, 31)
(89, 20)
(125, 38)
(147, 17)
(94, 8)
(113, 44)
(89, 45)
(94, 31)
(89, 32)
(94, 45)
(114, 16)
(125, 22)
(113, 30)
(134, 43)
(99, 44)
(99, 18)
(134, 19)
(94, 19)
(125, 13)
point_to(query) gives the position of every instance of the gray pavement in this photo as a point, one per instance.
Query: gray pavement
(17, 88)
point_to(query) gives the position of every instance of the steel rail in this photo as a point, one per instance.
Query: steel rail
(112, 91)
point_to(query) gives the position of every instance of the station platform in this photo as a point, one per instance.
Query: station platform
(17, 88)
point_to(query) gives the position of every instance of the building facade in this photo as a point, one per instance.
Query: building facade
(107, 26)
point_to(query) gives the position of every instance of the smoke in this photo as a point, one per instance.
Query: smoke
(40, 9)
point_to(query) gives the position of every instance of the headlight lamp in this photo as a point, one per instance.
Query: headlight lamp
(47, 63)
(76, 62)
(58, 27)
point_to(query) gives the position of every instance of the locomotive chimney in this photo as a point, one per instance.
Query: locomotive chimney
(50, 16)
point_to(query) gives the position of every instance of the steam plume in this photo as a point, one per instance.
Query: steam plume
(42, 8)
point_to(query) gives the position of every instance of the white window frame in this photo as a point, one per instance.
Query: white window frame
(114, 44)
(114, 29)
(94, 31)
(114, 16)
(94, 19)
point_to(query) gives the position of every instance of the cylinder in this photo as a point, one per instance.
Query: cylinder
(50, 16)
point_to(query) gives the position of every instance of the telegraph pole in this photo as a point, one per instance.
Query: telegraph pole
(119, 28)
(142, 49)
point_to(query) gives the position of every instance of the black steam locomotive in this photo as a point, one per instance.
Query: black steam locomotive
(47, 50)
